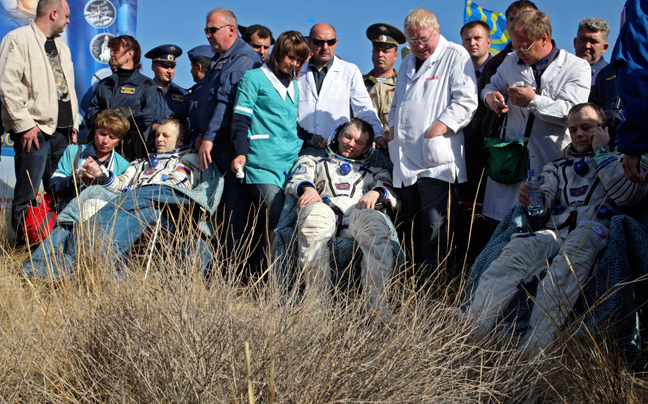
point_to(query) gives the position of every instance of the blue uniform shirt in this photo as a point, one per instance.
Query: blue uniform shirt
(630, 58)
(172, 104)
(218, 91)
(190, 111)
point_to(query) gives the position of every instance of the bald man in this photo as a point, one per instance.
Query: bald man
(331, 91)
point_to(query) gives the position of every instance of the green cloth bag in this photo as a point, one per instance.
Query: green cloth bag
(506, 162)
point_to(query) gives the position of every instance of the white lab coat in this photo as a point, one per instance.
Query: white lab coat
(342, 91)
(443, 89)
(565, 83)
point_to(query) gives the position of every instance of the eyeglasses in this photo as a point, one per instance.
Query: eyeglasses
(212, 30)
(259, 46)
(524, 50)
(420, 41)
(321, 42)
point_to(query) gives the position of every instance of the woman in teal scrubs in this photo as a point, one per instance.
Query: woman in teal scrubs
(264, 126)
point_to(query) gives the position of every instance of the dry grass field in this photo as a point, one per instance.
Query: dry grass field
(171, 336)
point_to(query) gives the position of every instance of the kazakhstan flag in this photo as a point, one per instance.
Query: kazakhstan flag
(497, 21)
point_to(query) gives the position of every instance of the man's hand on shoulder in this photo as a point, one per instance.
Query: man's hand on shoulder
(368, 201)
(310, 195)
(30, 137)
(632, 168)
(204, 154)
(381, 142)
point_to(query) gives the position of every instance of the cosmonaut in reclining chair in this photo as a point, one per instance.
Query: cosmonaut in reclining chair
(344, 194)
(151, 189)
(581, 193)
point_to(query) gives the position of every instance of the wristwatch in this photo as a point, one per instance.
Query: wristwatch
(601, 149)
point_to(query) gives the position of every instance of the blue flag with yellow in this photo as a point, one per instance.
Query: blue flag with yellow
(496, 21)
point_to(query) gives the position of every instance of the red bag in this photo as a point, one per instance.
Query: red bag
(39, 220)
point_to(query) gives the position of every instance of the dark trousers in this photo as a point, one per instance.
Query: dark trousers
(234, 209)
(425, 221)
(269, 200)
(30, 169)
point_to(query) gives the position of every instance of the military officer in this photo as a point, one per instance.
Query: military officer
(172, 99)
(200, 58)
(380, 81)
(385, 40)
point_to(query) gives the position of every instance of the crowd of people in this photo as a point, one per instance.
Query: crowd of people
(298, 121)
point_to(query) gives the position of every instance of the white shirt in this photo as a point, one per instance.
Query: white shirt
(342, 91)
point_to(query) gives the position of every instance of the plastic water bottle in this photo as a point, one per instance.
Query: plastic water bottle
(536, 205)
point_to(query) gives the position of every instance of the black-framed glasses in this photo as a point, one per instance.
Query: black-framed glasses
(321, 42)
(524, 50)
(212, 30)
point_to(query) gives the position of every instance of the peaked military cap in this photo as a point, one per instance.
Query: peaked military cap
(385, 35)
(201, 50)
(165, 54)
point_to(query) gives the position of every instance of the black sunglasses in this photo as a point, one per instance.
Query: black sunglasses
(321, 42)
(212, 30)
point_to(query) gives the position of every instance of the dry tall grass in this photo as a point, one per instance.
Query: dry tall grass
(173, 336)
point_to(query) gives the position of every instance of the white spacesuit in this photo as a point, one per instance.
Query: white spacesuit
(580, 195)
(341, 183)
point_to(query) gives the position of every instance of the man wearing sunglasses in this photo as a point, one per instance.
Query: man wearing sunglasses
(535, 86)
(331, 91)
(214, 110)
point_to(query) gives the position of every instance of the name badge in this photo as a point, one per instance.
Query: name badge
(177, 97)
(128, 90)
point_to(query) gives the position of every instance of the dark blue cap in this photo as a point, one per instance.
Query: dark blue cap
(165, 54)
(202, 50)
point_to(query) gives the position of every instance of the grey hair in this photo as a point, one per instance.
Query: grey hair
(595, 24)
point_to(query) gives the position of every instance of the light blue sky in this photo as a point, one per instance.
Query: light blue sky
(181, 22)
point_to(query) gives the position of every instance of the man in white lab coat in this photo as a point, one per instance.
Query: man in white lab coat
(331, 91)
(436, 96)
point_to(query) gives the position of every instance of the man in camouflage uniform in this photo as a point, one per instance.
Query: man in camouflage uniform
(380, 81)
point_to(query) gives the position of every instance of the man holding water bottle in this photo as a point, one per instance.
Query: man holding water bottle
(535, 86)
(580, 193)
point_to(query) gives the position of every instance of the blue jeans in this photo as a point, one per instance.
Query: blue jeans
(119, 224)
(425, 220)
(30, 169)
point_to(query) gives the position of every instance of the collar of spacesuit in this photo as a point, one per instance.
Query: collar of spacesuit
(171, 153)
(363, 160)
(571, 154)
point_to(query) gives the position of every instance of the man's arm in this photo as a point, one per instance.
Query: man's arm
(575, 90)
(302, 183)
(186, 174)
(225, 98)
(12, 67)
(463, 101)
